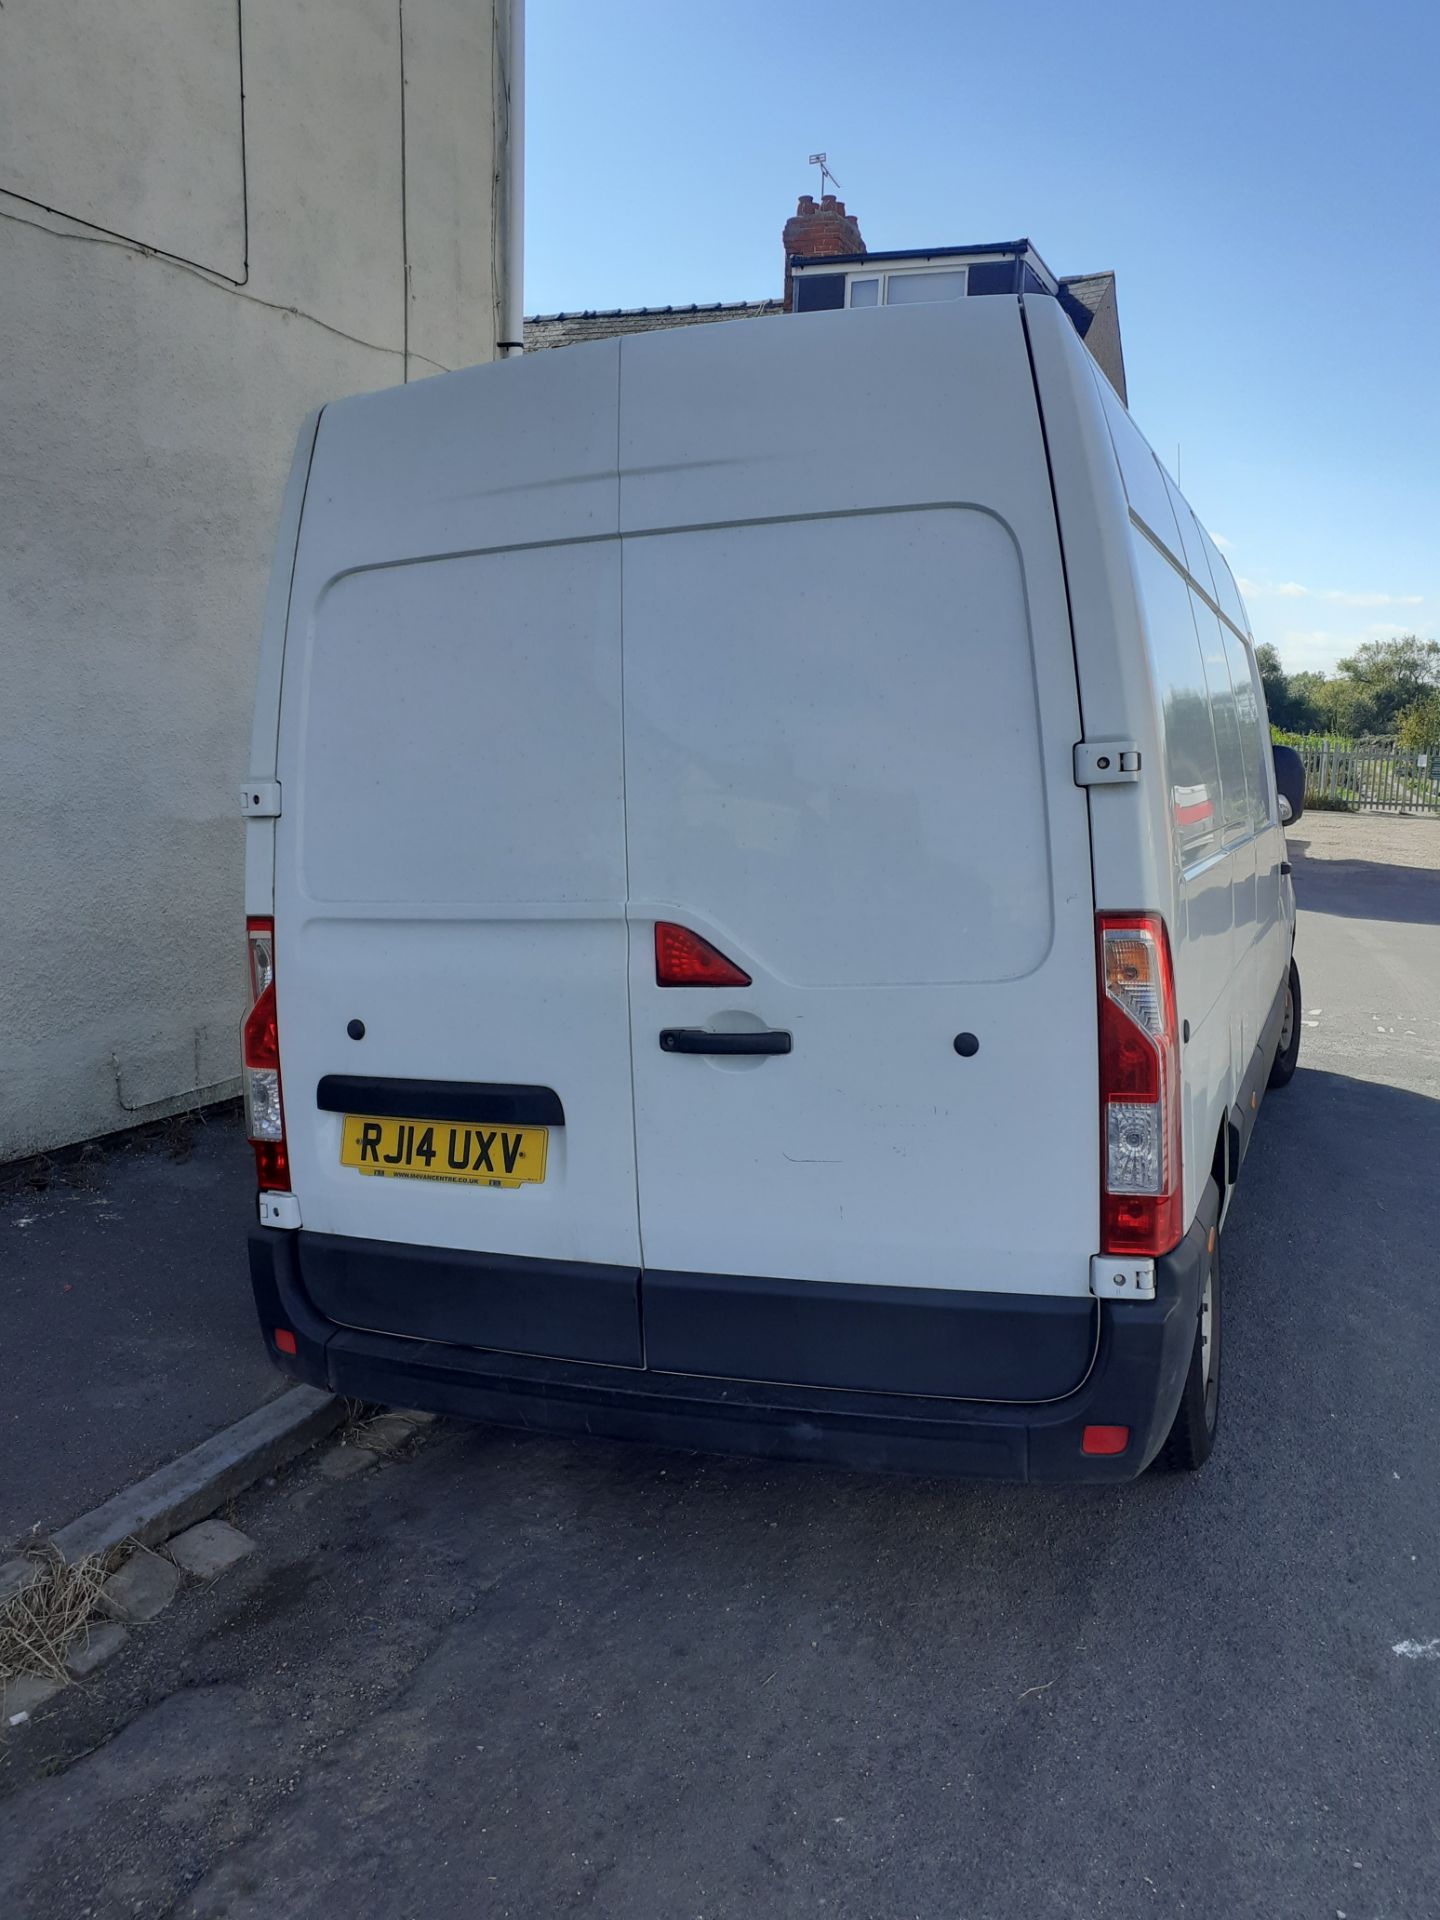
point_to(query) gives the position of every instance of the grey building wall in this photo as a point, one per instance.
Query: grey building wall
(181, 280)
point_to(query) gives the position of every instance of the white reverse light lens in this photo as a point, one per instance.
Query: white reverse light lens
(1133, 1146)
(263, 1119)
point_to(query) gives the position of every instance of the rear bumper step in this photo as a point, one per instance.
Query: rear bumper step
(826, 1341)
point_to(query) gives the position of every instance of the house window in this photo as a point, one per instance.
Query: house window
(907, 287)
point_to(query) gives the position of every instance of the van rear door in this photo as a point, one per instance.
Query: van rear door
(850, 709)
(450, 864)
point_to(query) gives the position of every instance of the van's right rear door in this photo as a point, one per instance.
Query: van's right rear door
(850, 708)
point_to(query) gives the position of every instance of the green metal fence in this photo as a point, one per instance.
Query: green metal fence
(1372, 776)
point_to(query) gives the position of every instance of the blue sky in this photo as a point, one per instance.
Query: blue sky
(1264, 179)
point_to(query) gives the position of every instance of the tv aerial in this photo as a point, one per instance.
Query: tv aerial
(820, 160)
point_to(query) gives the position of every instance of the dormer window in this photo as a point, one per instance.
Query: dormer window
(906, 287)
(842, 273)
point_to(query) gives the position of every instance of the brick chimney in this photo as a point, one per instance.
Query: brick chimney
(819, 233)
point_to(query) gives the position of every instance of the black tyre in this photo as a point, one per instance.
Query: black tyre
(1192, 1436)
(1287, 1057)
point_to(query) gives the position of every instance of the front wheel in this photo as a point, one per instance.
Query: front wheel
(1287, 1055)
(1192, 1436)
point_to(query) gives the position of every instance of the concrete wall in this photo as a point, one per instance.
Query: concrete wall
(338, 231)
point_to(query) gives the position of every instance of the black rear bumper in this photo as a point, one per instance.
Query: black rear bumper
(1138, 1354)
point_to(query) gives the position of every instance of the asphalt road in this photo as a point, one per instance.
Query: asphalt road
(515, 1677)
(127, 1328)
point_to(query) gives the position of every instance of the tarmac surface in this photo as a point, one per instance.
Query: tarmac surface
(127, 1331)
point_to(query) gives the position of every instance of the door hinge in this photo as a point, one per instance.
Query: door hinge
(1112, 1277)
(278, 1210)
(1106, 763)
(261, 800)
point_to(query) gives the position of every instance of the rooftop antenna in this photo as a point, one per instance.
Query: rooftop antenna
(820, 160)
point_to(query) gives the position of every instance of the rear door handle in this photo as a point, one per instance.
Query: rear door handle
(700, 1040)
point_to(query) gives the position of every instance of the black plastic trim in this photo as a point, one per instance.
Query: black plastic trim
(565, 1309)
(1140, 1364)
(1016, 247)
(1252, 1087)
(497, 1102)
(953, 1344)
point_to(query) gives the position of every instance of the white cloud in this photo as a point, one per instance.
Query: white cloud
(1374, 599)
(1316, 649)
(1338, 596)
(1221, 542)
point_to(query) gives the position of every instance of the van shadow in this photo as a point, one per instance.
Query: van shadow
(1365, 889)
(962, 1662)
(1337, 1212)
(1340, 1172)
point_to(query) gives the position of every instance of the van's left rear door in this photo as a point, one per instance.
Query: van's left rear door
(450, 867)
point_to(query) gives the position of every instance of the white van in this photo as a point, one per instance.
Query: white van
(768, 913)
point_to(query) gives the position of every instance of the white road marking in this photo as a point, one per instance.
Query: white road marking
(1417, 1649)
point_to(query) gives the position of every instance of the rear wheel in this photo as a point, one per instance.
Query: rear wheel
(1287, 1055)
(1192, 1436)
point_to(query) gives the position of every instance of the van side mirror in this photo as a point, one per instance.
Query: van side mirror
(1290, 780)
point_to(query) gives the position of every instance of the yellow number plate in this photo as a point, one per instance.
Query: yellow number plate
(477, 1156)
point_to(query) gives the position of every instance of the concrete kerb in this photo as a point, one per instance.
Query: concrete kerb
(15, 1576)
(192, 1487)
(164, 1508)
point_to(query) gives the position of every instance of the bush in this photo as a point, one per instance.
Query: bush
(1418, 730)
(1282, 737)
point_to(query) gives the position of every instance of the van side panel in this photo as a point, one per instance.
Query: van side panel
(1204, 937)
(1132, 827)
(1201, 842)
(1253, 842)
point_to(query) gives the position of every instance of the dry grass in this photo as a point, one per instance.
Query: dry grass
(360, 1416)
(87, 1164)
(39, 1625)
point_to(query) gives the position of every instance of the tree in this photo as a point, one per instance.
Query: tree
(1305, 702)
(1348, 706)
(1388, 677)
(1290, 698)
(1419, 728)
(1275, 682)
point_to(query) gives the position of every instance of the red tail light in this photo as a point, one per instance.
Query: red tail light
(1140, 1193)
(683, 959)
(260, 1061)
